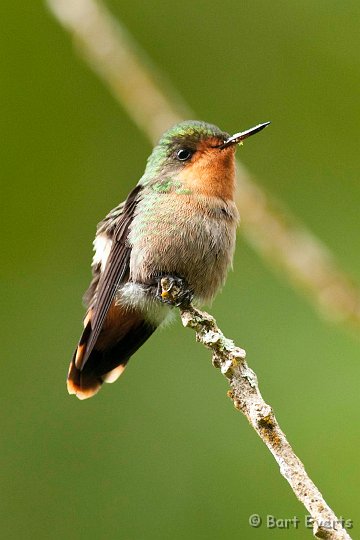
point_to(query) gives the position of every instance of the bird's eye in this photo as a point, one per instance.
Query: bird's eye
(184, 154)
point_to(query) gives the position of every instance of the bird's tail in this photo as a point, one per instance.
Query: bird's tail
(109, 357)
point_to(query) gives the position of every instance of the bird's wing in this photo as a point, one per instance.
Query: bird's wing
(105, 229)
(107, 281)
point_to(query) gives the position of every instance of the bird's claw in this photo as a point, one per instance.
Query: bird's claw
(174, 290)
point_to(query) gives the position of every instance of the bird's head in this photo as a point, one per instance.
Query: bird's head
(198, 156)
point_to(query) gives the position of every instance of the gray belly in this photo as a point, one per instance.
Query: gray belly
(198, 247)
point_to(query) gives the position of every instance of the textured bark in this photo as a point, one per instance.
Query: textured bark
(245, 394)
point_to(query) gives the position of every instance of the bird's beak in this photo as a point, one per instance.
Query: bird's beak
(238, 137)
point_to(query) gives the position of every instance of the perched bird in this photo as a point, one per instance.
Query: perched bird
(180, 222)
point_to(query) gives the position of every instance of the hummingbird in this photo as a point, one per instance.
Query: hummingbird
(178, 222)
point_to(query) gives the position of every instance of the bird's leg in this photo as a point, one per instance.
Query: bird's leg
(172, 289)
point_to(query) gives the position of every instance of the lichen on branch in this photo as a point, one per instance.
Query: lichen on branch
(245, 394)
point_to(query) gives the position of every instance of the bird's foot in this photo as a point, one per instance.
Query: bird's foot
(173, 290)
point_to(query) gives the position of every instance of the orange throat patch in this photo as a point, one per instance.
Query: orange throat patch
(211, 171)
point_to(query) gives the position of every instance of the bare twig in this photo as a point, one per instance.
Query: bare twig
(134, 82)
(246, 396)
(115, 57)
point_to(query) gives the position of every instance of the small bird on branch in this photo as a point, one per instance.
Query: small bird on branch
(179, 222)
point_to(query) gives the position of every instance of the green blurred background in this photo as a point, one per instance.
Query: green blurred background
(162, 453)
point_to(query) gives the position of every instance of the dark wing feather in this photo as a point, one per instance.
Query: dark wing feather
(107, 227)
(116, 271)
